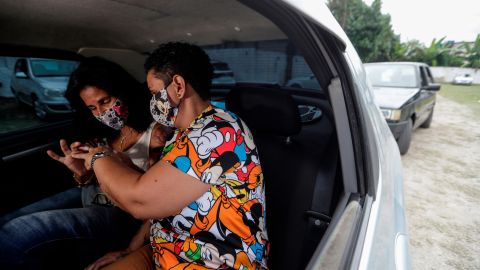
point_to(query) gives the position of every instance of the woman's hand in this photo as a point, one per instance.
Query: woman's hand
(137, 242)
(73, 164)
(86, 152)
(107, 259)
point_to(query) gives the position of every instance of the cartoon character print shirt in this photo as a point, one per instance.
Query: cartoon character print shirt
(225, 227)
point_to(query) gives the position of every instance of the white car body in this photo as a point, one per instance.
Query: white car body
(368, 229)
(393, 98)
(45, 93)
(465, 79)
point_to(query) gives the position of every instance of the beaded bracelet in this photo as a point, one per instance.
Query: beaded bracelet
(79, 181)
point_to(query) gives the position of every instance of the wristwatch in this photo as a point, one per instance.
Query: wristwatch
(99, 155)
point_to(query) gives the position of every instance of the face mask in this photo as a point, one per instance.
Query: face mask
(115, 117)
(162, 110)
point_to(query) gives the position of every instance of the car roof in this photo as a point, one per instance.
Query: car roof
(140, 25)
(397, 63)
(137, 24)
(35, 52)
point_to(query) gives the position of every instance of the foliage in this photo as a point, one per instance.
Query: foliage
(441, 53)
(472, 54)
(411, 50)
(369, 30)
(371, 33)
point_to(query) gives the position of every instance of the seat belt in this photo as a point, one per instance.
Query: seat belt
(318, 220)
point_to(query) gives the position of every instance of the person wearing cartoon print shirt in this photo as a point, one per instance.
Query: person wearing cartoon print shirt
(206, 196)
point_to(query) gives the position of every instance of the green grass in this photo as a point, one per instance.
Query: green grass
(467, 95)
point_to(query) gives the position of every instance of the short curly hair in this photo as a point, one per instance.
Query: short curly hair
(187, 60)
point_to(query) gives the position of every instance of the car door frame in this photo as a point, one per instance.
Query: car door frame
(426, 100)
(28, 174)
(315, 43)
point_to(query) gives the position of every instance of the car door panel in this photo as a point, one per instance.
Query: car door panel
(28, 173)
(423, 107)
(426, 100)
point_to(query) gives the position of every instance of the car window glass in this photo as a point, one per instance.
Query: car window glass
(32, 99)
(426, 76)
(21, 65)
(274, 62)
(429, 75)
(52, 67)
(422, 76)
(266, 62)
(263, 55)
(383, 75)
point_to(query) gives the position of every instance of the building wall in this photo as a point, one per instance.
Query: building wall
(446, 74)
(6, 71)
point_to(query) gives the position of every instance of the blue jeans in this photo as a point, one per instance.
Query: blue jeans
(70, 198)
(58, 233)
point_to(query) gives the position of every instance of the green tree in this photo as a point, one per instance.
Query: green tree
(472, 53)
(414, 51)
(441, 53)
(433, 53)
(369, 30)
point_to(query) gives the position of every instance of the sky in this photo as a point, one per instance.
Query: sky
(424, 20)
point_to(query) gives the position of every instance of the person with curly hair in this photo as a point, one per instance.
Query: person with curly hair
(205, 198)
(110, 109)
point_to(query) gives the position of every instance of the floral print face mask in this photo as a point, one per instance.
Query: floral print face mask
(115, 117)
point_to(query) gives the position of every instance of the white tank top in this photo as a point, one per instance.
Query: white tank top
(139, 152)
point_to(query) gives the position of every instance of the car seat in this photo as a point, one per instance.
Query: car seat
(299, 173)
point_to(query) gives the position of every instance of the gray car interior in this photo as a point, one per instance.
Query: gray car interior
(300, 170)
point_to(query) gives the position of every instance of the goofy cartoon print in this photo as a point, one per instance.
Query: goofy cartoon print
(225, 227)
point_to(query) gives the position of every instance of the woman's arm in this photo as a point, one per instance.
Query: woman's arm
(160, 192)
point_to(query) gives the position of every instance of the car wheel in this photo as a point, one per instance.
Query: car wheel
(428, 122)
(405, 138)
(39, 112)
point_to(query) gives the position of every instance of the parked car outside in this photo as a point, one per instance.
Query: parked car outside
(406, 94)
(332, 170)
(464, 79)
(41, 83)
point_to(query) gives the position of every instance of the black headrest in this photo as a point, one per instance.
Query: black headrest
(265, 110)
